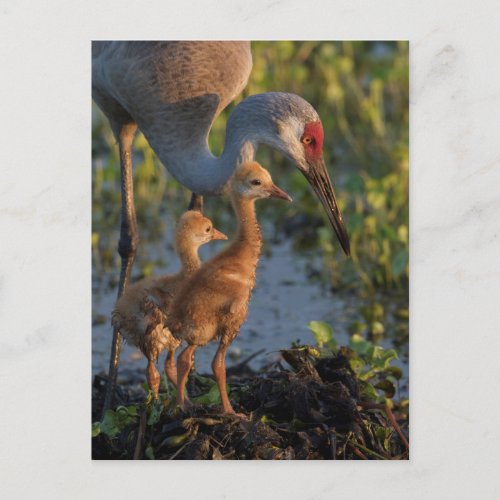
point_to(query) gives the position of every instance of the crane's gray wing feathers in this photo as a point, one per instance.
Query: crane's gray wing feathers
(173, 91)
(142, 76)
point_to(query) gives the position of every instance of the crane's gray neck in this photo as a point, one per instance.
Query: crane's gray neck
(255, 120)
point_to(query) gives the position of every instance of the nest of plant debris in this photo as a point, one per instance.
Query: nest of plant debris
(313, 411)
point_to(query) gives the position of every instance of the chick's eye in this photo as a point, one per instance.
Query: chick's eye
(207, 230)
(307, 140)
(256, 182)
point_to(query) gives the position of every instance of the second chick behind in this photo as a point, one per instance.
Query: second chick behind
(140, 313)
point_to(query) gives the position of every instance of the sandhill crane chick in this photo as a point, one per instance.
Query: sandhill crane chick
(213, 303)
(140, 313)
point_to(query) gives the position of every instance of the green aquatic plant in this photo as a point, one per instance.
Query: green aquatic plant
(371, 364)
(327, 404)
(115, 421)
(323, 333)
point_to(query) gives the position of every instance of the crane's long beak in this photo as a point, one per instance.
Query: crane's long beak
(318, 177)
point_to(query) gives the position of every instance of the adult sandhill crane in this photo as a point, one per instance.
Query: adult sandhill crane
(173, 92)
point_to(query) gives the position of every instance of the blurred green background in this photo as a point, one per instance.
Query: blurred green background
(360, 90)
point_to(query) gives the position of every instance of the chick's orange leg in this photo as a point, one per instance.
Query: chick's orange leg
(153, 377)
(170, 368)
(219, 369)
(184, 363)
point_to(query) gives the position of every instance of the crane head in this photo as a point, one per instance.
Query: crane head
(314, 169)
(288, 123)
(301, 139)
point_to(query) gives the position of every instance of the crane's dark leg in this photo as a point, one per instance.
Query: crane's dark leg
(127, 245)
(196, 202)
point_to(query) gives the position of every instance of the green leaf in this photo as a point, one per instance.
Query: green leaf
(403, 233)
(207, 381)
(399, 263)
(355, 185)
(322, 332)
(359, 345)
(356, 327)
(96, 429)
(387, 356)
(115, 421)
(377, 311)
(355, 223)
(149, 452)
(402, 313)
(266, 420)
(369, 392)
(383, 435)
(156, 411)
(175, 441)
(387, 386)
(357, 365)
(164, 384)
(132, 410)
(395, 371)
(108, 425)
(377, 199)
(212, 397)
(388, 232)
(367, 375)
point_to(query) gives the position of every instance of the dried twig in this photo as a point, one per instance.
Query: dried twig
(140, 436)
(355, 445)
(332, 438)
(390, 416)
(179, 450)
(357, 452)
(333, 443)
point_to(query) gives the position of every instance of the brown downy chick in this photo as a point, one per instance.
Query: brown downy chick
(213, 303)
(140, 313)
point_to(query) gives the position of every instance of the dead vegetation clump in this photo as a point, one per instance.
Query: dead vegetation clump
(317, 410)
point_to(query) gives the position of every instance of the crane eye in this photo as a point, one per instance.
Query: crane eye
(307, 140)
(256, 182)
(207, 230)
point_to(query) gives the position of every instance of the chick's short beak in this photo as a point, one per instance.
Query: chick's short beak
(217, 235)
(276, 192)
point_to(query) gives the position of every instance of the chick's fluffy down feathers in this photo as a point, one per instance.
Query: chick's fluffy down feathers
(142, 320)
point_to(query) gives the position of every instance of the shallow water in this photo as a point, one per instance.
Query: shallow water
(283, 302)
